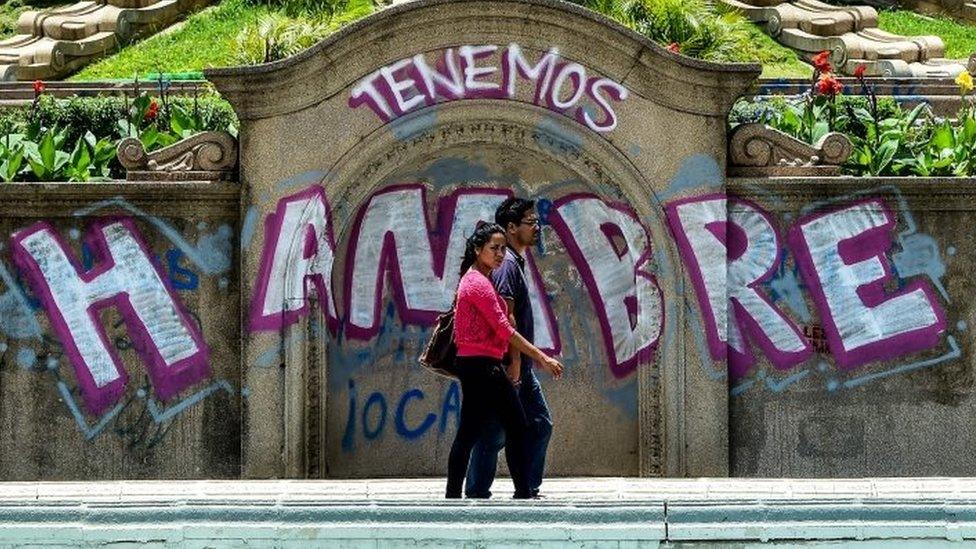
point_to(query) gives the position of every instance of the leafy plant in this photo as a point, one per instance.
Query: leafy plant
(51, 141)
(277, 36)
(46, 159)
(886, 139)
(11, 157)
(950, 151)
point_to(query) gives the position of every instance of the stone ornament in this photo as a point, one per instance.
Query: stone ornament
(758, 150)
(207, 156)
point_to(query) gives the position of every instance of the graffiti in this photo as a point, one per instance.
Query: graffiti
(391, 240)
(212, 252)
(390, 236)
(137, 418)
(488, 71)
(841, 254)
(168, 342)
(298, 252)
(841, 257)
(705, 235)
(612, 251)
(412, 404)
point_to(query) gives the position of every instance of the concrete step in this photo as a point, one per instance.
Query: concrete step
(820, 19)
(581, 512)
(53, 43)
(851, 35)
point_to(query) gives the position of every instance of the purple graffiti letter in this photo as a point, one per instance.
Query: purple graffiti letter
(299, 250)
(841, 255)
(612, 251)
(162, 332)
(392, 234)
(728, 256)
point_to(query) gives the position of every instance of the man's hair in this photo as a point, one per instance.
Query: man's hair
(512, 211)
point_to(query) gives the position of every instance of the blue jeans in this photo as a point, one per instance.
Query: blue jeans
(484, 457)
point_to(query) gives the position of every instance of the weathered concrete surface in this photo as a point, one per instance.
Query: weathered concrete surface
(834, 309)
(911, 414)
(599, 512)
(48, 429)
(348, 399)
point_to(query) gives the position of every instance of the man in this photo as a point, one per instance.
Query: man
(521, 223)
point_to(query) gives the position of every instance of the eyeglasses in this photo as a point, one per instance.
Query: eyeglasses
(530, 222)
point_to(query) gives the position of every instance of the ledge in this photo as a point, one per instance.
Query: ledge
(576, 511)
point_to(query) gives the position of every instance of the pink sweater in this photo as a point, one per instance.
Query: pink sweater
(481, 326)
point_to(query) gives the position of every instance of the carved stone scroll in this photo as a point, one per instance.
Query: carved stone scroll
(207, 156)
(758, 150)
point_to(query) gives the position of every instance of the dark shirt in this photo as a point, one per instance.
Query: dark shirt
(509, 280)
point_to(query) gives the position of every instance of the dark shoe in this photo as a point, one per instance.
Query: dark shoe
(452, 496)
(485, 495)
(522, 495)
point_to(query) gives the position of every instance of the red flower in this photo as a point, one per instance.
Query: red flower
(859, 71)
(152, 111)
(828, 85)
(38, 87)
(821, 61)
(674, 47)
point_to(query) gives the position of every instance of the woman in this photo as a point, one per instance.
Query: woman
(483, 334)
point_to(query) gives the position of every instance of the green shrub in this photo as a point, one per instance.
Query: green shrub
(296, 26)
(297, 8)
(887, 139)
(76, 139)
(100, 115)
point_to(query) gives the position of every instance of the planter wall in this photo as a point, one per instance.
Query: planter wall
(901, 408)
(709, 326)
(166, 258)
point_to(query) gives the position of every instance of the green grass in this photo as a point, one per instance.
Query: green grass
(206, 39)
(959, 38)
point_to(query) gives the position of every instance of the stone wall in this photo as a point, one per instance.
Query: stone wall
(269, 327)
(886, 387)
(119, 331)
(367, 160)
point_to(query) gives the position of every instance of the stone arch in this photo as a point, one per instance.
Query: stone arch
(297, 120)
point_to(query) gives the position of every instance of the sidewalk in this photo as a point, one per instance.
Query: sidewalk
(591, 512)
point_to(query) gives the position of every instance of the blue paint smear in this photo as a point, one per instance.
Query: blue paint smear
(301, 179)
(249, 225)
(696, 172)
(416, 125)
(211, 253)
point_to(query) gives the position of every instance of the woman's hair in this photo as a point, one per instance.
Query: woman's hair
(479, 238)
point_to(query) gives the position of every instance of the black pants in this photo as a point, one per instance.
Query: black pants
(486, 393)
